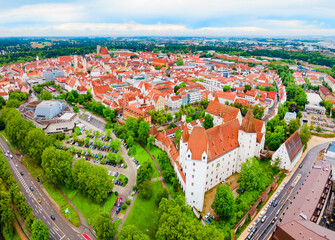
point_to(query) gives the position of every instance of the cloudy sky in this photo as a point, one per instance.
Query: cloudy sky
(167, 18)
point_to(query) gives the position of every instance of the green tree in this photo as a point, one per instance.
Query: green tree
(57, 164)
(319, 129)
(252, 177)
(333, 113)
(208, 123)
(144, 172)
(130, 141)
(36, 142)
(29, 221)
(143, 132)
(2, 102)
(224, 202)
(180, 62)
(150, 141)
(145, 190)
(305, 135)
(226, 88)
(293, 125)
(104, 227)
(76, 109)
(13, 103)
(247, 88)
(163, 193)
(258, 112)
(39, 231)
(177, 136)
(130, 232)
(45, 95)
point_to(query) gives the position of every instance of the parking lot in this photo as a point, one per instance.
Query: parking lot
(94, 121)
(327, 124)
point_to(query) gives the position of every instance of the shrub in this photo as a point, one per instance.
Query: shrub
(128, 202)
(124, 206)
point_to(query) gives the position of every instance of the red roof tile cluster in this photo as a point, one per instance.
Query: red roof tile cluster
(226, 112)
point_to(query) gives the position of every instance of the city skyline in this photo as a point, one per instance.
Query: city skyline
(211, 18)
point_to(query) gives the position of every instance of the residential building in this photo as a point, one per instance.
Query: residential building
(130, 111)
(223, 113)
(289, 152)
(326, 94)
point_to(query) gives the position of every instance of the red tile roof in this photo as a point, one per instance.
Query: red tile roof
(224, 111)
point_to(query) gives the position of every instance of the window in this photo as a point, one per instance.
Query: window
(194, 164)
(192, 176)
(193, 169)
(189, 156)
(193, 184)
(192, 193)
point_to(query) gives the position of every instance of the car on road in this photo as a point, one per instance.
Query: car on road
(118, 210)
(261, 214)
(274, 220)
(264, 218)
(21, 173)
(275, 203)
(38, 200)
(300, 166)
(10, 155)
(31, 188)
(53, 217)
(6, 154)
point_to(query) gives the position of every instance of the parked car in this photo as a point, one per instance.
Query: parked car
(118, 210)
(250, 228)
(275, 203)
(263, 219)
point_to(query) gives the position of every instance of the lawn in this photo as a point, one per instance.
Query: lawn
(87, 207)
(142, 156)
(117, 223)
(143, 213)
(34, 169)
(72, 215)
(70, 193)
(107, 207)
(55, 194)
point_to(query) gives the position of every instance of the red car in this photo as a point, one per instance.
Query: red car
(118, 200)
(88, 159)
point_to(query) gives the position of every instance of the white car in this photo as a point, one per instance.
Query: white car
(255, 222)
(10, 155)
(250, 228)
(6, 154)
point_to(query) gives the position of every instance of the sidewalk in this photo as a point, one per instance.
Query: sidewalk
(127, 212)
(161, 179)
(314, 141)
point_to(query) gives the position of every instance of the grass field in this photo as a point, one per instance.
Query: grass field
(107, 207)
(34, 169)
(87, 207)
(72, 215)
(117, 223)
(55, 194)
(70, 193)
(143, 213)
(142, 156)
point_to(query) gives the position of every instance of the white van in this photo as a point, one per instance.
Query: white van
(261, 214)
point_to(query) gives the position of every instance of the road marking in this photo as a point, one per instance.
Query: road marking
(44, 217)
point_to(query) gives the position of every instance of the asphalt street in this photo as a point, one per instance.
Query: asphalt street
(286, 195)
(59, 228)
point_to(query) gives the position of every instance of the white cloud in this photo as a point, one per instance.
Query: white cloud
(37, 13)
(135, 29)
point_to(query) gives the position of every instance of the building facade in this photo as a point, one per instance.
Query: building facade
(207, 157)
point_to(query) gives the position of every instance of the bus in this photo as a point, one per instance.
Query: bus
(52, 89)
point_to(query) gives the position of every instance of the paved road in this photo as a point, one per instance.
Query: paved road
(59, 229)
(286, 195)
(95, 121)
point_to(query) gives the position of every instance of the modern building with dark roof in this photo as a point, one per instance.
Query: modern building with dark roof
(301, 219)
(289, 152)
(207, 157)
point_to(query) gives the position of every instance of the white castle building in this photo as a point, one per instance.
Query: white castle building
(207, 157)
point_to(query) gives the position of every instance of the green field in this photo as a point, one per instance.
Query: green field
(34, 169)
(107, 207)
(143, 213)
(72, 215)
(141, 156)
(55, 194)
(87, 207)
(70, 193)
